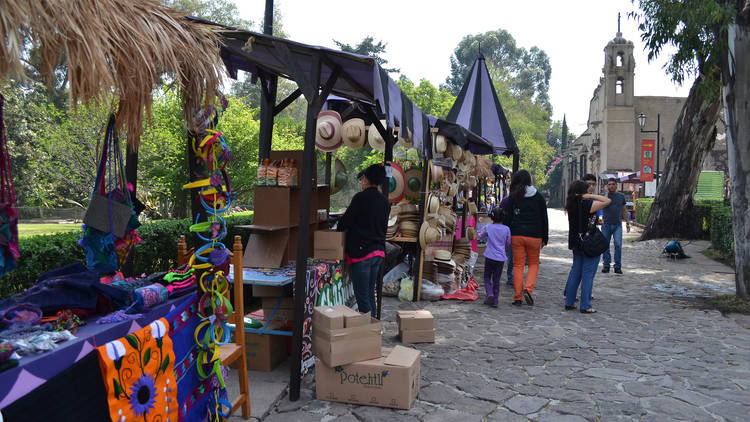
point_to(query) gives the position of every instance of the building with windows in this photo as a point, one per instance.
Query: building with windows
(611, 143)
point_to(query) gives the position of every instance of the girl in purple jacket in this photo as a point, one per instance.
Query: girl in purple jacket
(498, 240)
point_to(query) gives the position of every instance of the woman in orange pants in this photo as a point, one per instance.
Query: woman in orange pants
(529, 229)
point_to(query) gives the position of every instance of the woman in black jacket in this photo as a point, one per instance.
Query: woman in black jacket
(365, 222)
(526, 215)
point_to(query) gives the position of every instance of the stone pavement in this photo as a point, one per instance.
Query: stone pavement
(651, 353)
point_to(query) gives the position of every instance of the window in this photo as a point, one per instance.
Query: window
(619, 60)
(582, 165)
(619, 87)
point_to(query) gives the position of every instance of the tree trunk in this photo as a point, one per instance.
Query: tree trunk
(694, 135)
(736, 93)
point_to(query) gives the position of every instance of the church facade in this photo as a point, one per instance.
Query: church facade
(611, 143)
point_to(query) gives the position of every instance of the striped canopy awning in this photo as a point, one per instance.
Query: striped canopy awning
(478, 109)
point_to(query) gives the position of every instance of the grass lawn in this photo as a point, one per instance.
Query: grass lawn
(26, 230)
(730, 303)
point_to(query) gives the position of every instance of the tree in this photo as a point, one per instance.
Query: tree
(527, 72)
(428, 98)
(564, 135)
(368, 47)
(223, 12)
(661, 22)
(735, 72)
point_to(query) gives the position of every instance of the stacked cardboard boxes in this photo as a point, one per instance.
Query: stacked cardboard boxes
(351, 365)
(416, 326)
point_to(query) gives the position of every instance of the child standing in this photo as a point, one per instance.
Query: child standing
(498, 240)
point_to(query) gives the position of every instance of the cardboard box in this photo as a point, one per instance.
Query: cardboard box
(417, 336)
(353, 318)
(328, 318)
(329, 245)
(391, 380)
(347, 345)
(415, 320)
(267, 291)
(270, 302)
(279, 314)
(264, 352)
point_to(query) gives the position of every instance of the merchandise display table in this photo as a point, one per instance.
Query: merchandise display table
(34, 370)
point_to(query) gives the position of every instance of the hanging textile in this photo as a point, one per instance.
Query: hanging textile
(138, 373)
(110, 221)
(9, 252)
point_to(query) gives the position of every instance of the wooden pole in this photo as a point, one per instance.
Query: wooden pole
(426, 172)
(300, 281)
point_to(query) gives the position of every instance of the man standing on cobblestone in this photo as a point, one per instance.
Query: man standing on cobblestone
(613, 215)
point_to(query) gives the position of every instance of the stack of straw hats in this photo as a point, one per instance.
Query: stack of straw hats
(408, 219)
(461, 250)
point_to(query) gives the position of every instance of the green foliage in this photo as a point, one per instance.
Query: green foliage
(694, 27)
(526, 72)
(642, 209)
(535, 155)
(224, 12)
(722, 234)
(368, 47)
(428, 98)
(157, 252)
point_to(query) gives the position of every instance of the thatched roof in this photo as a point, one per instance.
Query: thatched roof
(113, 47)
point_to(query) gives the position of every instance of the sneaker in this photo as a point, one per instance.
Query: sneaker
(517, 303)
(489, 300)
(606, 269)
(618, 271)
(528, 298)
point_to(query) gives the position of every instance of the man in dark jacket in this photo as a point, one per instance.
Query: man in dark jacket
(365, 222)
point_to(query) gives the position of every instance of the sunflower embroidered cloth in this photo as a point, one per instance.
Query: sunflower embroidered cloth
(138, 373)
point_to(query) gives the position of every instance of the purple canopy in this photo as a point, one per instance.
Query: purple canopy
(478, 109)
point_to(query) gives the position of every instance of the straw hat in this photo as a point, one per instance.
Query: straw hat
(353, 132)
(340, 177)
(467, 157)
(461, 176)
(428, 235)
(471, 233)
(437, 173)
(442, 255)
(457, 152)
(439, 144)
(405, 141)
(433, 203)
(452, 190)
(472, 181)
(328, 131)
(397, 183)
(473, 208)
(413, 183)
(374, 138)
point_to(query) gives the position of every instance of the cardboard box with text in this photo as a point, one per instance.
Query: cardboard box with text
(391, 380)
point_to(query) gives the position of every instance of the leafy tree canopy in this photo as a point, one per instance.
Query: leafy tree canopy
(224, 12)
(526, 72)
(368, 47)
(692, 26)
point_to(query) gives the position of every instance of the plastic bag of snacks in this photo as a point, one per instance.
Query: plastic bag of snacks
(262, 170)
(272, 173)
(287, 175)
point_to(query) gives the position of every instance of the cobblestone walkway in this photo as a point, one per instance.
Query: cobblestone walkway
(650, 353)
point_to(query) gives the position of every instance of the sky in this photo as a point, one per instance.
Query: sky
(421, 35)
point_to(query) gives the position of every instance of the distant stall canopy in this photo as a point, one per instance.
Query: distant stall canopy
(478, 109)
(113, 47)
(462, 136)
(353, 76)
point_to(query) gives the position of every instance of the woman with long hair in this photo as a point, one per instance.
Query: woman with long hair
(581, 208)
(526, 215)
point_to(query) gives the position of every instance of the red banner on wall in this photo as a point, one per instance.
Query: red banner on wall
(647, 159)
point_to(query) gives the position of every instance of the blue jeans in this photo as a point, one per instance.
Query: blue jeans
(582, 272)
(609, 231)
(364, 278)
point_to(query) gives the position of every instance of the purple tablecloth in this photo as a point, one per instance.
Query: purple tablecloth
(34, 370)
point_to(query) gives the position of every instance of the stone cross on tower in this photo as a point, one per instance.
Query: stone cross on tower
(618, 22)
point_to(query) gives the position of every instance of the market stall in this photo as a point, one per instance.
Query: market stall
(116, 339)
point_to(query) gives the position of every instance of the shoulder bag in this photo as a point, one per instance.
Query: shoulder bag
(591, 240)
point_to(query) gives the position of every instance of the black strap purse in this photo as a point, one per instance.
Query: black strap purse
(591, 240)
